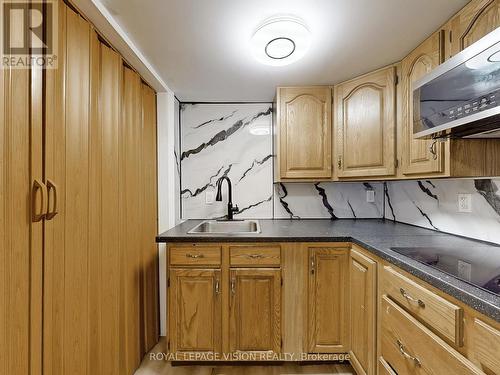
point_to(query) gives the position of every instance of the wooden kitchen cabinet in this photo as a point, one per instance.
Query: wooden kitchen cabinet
(304, 132)
(255, 310)
(471, 23)
(363, 311)
(419, 156)
(366, 125)
(327, 299)
(195, 310)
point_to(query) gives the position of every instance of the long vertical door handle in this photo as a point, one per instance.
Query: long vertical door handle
(51, 188)
(38, 187)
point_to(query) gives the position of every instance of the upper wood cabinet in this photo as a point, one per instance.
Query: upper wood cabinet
(366, 118)
(475, 20)
(328, 303)
(363, 310)
(255, 310)
(304, 133)
(419, 156)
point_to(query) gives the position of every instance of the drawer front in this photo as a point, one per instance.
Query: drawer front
(411, 348)
(256, 256)
(486, 346)
(384, 368)
(442, 316)
(195, 255)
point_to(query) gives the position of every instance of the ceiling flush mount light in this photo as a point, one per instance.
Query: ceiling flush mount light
(280, 40)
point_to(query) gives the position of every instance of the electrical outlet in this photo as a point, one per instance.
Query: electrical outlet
(209, 197)
(370, 196)
(464, 270)
(464, 203)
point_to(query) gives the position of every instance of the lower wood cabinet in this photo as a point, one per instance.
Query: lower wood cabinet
(255, 310)
(195, 310)
(327, 321)
(362, 311)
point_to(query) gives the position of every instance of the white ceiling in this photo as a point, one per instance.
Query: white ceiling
(201, 47)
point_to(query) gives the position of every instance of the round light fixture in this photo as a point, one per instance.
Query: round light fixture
(280, 40)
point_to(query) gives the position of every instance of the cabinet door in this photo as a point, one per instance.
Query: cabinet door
(195, 310)
(419, 156)
(474, 21)
(366, 125)
(363, 283)
(328, 300)
(305, 134)
(255, 310)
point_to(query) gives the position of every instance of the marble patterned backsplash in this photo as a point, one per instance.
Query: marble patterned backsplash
(330, 200)
(235, 140)
(232, 140)
(434, 204)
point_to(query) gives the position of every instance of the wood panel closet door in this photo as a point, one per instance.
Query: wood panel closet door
(150, 224)
(67, 165)
(130, 216)
(22, 197)
(419, 156)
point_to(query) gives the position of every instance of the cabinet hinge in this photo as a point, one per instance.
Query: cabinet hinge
(396, 163)
(281, 281)
(168, 345)
(168, 282)
(396, 79)
(281, 343)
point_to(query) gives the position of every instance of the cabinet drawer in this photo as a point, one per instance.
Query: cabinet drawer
(486, 346)
(384, 368)
(411, 348)
(441, 315)
(248, 256)
(195, 255)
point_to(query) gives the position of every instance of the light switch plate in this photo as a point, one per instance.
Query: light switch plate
(209, 197)
(464, 202)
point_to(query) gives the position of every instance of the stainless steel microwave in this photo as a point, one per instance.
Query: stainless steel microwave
(461, 97)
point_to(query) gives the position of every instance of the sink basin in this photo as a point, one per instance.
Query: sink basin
(226, 227)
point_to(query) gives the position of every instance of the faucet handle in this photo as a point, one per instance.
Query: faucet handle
(235, 208)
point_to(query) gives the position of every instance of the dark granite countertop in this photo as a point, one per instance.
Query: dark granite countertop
(377, 236)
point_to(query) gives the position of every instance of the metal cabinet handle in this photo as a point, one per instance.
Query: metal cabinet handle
(339, 162)
(313, 265)
(217, 286)
(433, 150)
(419, 302)
(195, 256)
(51, 187)
(233, 286)
(405, 354)
(38, 186)
(255, 256)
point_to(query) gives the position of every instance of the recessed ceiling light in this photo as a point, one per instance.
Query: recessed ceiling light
(280, 40)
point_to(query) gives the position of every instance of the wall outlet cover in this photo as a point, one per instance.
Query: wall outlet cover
(370, 196)
(209, 197)
(464, 202)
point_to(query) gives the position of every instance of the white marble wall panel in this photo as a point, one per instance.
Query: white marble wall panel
(231, 140)
(333, 200)
(434, 204)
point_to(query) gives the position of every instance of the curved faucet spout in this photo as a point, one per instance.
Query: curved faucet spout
(230, 209)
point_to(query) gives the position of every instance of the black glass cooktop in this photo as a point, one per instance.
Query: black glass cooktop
(477, 266)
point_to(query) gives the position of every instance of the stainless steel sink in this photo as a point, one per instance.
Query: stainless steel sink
(226, 227)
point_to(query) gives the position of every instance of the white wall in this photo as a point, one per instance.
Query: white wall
(168, 207)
